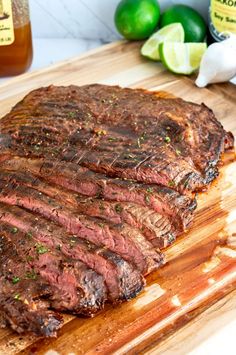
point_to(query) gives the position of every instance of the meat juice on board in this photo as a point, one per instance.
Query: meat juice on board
(15, 37)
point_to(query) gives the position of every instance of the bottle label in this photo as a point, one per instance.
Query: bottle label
(6, 23)
(222, 15)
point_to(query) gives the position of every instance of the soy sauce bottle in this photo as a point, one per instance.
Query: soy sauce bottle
(222, 20)
(15, 37)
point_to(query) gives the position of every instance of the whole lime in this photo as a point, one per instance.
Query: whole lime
(192, 22)
(137, 19)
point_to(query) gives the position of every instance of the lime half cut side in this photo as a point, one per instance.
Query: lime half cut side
(182, 58)
(170, 33)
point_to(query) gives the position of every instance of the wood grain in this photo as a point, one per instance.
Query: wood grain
(201, 266)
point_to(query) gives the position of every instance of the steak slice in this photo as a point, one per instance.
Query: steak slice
(122, 280)
(128, 133)
(74, 287)
(161, 199)
(121, 239)
(156, 228)
(21, 295)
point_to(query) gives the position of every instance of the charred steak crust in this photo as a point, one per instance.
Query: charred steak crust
(128, 133)
(93, 181)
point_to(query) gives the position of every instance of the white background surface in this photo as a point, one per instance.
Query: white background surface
(90, 19)
(65, 28)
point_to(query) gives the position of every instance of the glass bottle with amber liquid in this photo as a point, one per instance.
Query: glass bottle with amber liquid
(15, 37)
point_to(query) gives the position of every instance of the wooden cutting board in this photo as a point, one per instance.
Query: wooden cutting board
(171, 315)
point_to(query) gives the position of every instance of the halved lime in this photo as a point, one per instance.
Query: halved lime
(170, 33)
(182, 58)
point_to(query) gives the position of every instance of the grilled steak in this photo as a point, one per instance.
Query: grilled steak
(20, 301)
(121, 278)
(73, 286)
(163, 200)
(156, 227)
(93, 181)
(122, 239)
(121, 132)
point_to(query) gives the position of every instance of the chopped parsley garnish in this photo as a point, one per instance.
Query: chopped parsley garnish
(17, 296)
(101, 225)
(72, 114)
(15, 279)
(118, 208)
(29, 258)
(150, 190)
(112, 139)
(101, 132)
(31, 275)
(41, 249)
(29, 235)
(167, 139)
(171, 183)
(14, 230)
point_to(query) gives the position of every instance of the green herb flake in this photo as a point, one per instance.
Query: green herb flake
(14, 230)
(150, 190)
(101, 225)
(15, 280)
(167, 139)
(29, 235)
(41, 249)
(118, 208)
(72, 114)
(101, 132)
(31, 275)
(171, 183)
(178, 152)
(29, 258)
(112, 139)
(17, 296)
